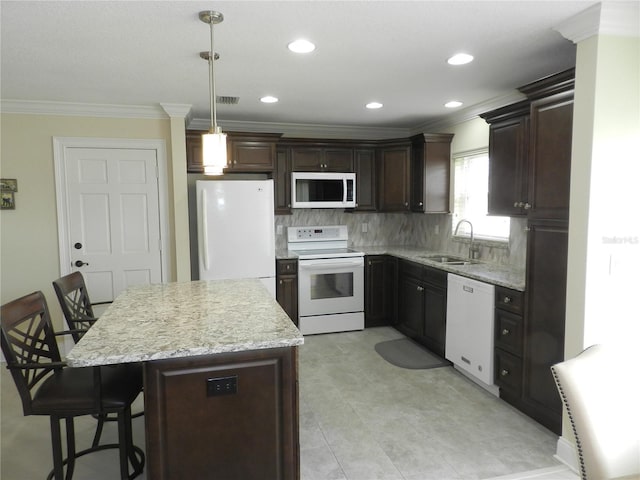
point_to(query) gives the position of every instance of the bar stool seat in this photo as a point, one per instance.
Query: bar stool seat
(48, 387)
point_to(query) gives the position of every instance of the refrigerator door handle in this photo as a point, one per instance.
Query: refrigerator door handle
(204, 243)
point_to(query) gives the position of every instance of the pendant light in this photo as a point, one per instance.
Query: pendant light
(214, 143)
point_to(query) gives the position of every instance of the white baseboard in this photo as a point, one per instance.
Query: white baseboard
(567, 454)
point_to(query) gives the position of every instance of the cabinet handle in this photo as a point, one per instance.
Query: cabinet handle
(419, 204)
(506, 300)
(526, 206)
(406, 204)
(280, 282)
(504, 372)
(516, 204)
(505, 331)
(420, 289)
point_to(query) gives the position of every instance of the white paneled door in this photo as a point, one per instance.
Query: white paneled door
(112, 223)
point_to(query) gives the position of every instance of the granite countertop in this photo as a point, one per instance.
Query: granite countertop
(501, 275)
(173, 320)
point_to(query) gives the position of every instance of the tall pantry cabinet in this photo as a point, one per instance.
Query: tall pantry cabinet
(530, 166)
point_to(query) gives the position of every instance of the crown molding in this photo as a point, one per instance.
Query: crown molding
(443, 123)
(288, 130)
(301, 130)
(619, 19)
(178, 110)
(82, 109)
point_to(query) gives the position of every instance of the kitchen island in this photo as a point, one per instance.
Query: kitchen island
(220, 376)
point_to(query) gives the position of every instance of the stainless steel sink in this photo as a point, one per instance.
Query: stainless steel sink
(447, 260)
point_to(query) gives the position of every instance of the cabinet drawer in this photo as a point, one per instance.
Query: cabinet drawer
(435, 276)
(411, 269)
(508, 371)
(288, 266)
(511, 300)
(508, 332)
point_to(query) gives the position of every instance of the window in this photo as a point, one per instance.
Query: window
(470, 202)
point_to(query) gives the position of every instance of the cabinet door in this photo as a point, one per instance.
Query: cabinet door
(337, 160)
(282, 182)
(545, 319)
(435, 319)
(193, 141)
(437, 177)
(306, 159)
(365, 180)
(550, 156)
(251, 156)
(410, 306)
(508, 172)
(394, 179)
(287, 287)
(287, 295)
(380, 280)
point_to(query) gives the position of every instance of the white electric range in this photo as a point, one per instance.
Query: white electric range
(330, 279)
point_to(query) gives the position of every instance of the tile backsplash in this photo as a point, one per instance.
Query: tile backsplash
(431, 231)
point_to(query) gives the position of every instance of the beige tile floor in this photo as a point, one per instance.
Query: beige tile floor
(361, 418)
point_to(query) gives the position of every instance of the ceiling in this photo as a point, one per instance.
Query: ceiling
(144, 53)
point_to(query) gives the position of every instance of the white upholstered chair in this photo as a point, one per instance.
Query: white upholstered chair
(600, 389)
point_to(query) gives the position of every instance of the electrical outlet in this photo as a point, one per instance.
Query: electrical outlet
(222, 386)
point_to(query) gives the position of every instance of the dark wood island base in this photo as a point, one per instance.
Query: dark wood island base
(228, 416)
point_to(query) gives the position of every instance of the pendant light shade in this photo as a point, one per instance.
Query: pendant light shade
(214, 152)
(214, 143)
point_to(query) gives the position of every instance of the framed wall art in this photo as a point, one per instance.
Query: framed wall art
(8, 186)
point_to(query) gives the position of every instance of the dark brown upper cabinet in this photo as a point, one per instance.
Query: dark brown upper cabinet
(394, 175)
(365, 163)
(508, 164)
(282, 182)
(246, 152)
(431, 173)
(321, 159)
(530, 151)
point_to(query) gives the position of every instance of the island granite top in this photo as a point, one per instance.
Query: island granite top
(184, 319)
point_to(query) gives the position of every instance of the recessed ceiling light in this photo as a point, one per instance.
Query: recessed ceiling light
(373, 105)
(453, 104)
(301, 46)
(460, 59)
(269, 99)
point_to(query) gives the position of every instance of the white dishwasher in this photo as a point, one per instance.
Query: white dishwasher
(469, 334)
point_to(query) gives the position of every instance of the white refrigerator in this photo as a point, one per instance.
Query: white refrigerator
(236, 230)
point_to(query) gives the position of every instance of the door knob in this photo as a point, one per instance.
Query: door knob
(79, 263)
(77, 245)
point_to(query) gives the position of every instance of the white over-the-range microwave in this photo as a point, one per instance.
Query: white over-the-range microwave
(323, 190)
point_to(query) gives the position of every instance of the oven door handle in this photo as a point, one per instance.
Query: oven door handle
(324, 264)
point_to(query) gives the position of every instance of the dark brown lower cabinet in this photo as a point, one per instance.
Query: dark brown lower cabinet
(249, 431)
(380, 276)
(508, 336)
(287, 287)
(435, 310)
(547, 247)
(422, 304)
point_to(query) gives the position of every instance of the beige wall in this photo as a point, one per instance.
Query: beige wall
(29, 234)
(604, 232)
(602, 273)
(470, 135)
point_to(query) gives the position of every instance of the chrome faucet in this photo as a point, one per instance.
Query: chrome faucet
(474, 252)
